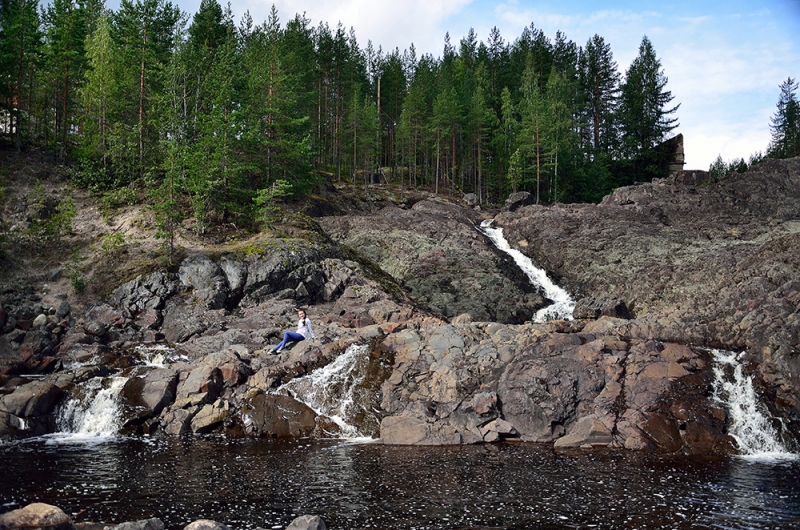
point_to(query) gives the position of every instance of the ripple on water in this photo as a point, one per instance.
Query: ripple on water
(260, 483)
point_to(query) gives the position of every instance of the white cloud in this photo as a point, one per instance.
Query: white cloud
(386, 24)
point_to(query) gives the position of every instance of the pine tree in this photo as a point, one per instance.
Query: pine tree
(533, 119)
(97, 98)
(65, 62)
(144, 32)
(505, 140)
(277, 133)
(644, 117)
(20, 47)
(599, 83)
(560, 128)
(785, 123)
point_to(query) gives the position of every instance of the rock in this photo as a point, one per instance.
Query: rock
(484, 403)
(144, 524)
(94, 328)
(205, 524)
(40, 321)
(63, 309)
(588, 431)
(406, 430)
(471, 200)
(307, 522)
(32, 400)
(207, 279)
(153, 391)
(591, 308)
(270, 415)
(518, 200)
(202, 385)
(436, 252)
(210, 417)
(178, 421)
(36, 515)
(144, 292)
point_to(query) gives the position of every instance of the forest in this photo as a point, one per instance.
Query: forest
(215, 119)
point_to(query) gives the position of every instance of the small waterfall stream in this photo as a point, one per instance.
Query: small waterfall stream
(562, 305)
(332, 390)
(750, 423)
(94, 413)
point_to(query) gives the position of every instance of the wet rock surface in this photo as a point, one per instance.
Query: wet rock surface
(41, 515)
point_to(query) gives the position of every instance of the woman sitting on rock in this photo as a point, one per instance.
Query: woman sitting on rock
(303, 330)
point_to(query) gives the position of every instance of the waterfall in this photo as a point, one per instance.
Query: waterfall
(332, 391)
(749, 421)
(156, 355)
(95, 412)
(562, 305)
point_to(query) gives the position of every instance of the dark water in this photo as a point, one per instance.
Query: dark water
(251, 483)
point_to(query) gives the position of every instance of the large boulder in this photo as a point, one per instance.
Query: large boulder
(207, 279)
(144, 524)
(206, 524)
(36, 515)
(517, 200)
(307, 522)
(276, 416)
(32, 400)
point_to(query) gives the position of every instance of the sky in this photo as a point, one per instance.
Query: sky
(724, 59)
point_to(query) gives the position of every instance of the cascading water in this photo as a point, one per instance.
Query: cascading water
(332, 390)
(156, 355)
(95, 413)
(562, 305)
(750, 424)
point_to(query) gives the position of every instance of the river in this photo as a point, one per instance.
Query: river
(248, 483)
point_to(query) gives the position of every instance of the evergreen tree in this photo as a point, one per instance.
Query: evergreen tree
(144, 32)
(443, 125)
(644, 117)
(599, 83)
(504, 143)
(560, 128)
(97, 98)
(533, 142)
(20, 48)
(393, 92)
(277, 133)
(67, 25)
(785, 123)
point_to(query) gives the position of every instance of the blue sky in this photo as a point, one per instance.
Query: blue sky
(724, 59)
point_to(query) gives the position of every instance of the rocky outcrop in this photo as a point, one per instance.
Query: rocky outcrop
(436, 252)
(658, 269)
(549, 383)
(29, 407)
(713, 264)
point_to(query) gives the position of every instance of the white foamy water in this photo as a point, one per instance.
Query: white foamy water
(93, 415)
(155, 355)
(562, 305)
(331, 391)
(749, 421)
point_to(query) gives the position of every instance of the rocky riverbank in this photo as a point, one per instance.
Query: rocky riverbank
(660, 270)
(46, 516)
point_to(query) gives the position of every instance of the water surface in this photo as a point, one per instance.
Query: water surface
(247, 483)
